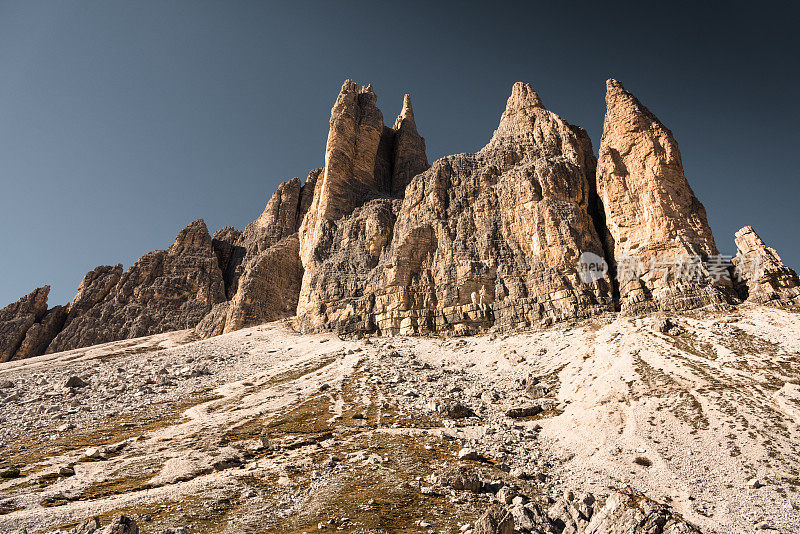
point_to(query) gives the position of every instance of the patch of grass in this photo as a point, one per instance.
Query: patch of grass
(7, 508)
(50, 502)
(116, 486)
(308, 417)
(32, 449)
(380, 498)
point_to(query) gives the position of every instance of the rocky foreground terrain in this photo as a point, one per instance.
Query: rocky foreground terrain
(616, 424)
(530, 338)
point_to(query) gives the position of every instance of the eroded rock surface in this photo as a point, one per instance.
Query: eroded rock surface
(478, 239)
(651, 212)
(761, 274)
(17, 318)
(261, 265)
(164, 290)
(41, 334)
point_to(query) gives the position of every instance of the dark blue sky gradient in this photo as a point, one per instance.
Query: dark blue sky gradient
(120, 122)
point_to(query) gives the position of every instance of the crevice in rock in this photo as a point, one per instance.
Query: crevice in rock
(598, 215)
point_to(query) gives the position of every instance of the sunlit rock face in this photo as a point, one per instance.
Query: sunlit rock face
(761, 275)
(477, 240)
(652, 216)
(164, 290)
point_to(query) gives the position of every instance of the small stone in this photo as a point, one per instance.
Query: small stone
(526, 411)
(755, 483)
(518, 500)
(75, 382)
(467, 454)
(506, 495)
(66, 471)
(93, 452)
(457, 410)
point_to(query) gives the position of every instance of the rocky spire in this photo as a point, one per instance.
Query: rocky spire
(406, 114)
(520, 114)
(356, 126)
(409, 158)
(651, 211)
(761, 275)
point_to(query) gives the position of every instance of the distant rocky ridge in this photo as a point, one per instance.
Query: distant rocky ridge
(380, 242)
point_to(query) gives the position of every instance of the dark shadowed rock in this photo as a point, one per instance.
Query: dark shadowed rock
(41, 334)
(17, 318)
(75, 382)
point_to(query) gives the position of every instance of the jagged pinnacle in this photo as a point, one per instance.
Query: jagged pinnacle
(407, 113)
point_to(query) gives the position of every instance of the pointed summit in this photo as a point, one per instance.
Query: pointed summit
(761, 275)
(406, 115)
(520, 114)
(193, 237)
(651, 212)
(523, 97)
(409, 157)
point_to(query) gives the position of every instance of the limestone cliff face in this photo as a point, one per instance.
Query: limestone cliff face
(379, 241)
(350, 219)
(17, 318)
(164, 290)
(761, 275)
(478, 240)
(41, 334)
(651, 212)
(262, 269)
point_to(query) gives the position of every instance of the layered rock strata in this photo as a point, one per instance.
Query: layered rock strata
(478, 240)
(760, 275)
(655, 224)
(379, 241)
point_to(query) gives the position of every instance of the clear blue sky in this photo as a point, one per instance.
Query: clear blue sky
(120, 122)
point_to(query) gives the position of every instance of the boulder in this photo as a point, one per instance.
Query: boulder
(496, 520)
(634, 513)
